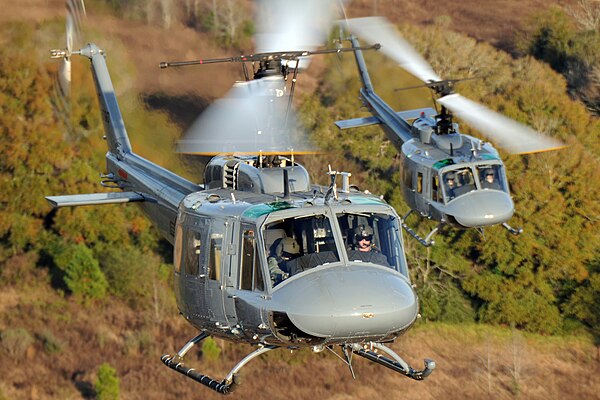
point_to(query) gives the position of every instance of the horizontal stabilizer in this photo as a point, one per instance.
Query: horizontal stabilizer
(359, 122)
(96, 199)
(416, 113)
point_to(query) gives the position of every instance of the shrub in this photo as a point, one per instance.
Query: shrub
(82, 272)
(210, 349)
(107, 383)
(52, 345)
(139, 342)
(16, 341)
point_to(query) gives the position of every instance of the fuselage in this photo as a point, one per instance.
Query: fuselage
(228, 239)
(465, 186)
(329, 293)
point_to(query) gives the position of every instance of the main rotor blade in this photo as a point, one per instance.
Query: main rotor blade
(379, 30)
(509, 134)
(292, 26)
(252, 118)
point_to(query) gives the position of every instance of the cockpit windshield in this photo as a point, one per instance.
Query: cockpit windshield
(296, 244)
(480, 177)
(372, 238)
(458, 182)
(491, 177)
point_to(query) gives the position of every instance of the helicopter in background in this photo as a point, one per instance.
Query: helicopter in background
(261, 255)
(446, 176)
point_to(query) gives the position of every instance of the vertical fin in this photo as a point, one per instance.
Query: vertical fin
(362, 66)
(114, 127)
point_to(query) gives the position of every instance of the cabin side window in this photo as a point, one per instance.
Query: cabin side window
(407, 177)
(194, 245)
(193, 250)
(215, 248)
(214, 263)
(434, 188)
(251, 277)
(178, 247)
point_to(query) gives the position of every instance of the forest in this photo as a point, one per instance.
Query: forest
(58, 268)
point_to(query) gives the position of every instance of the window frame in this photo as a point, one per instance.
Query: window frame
(251, 276)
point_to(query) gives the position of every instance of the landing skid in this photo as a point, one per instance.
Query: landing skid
(428, 241)
(225, 386)
(512, 230)
(395, 363)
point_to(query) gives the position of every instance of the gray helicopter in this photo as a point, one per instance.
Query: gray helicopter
(261, 255)
(447, 176)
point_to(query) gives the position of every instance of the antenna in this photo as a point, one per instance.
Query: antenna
(332, 188)
(345, 181)
(286, 184)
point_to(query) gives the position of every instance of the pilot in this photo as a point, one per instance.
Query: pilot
(450, 186)
(364, 249)
(489, 180)
(363, 236)
(285, 250)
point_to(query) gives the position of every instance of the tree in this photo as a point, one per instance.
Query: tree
(82, 272)
(107, 383)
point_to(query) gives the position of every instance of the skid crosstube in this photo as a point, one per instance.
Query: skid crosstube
(226, 385)
(220, 387)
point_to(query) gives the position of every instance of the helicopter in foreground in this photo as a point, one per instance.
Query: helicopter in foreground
(446, 176)
(261, 255)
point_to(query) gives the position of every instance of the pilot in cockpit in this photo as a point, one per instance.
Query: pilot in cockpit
(364, 249)
(283, 250)
(489, 180)
(450, 186)
(363, 236)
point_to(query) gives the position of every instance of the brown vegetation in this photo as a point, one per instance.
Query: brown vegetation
(473, 361)
(489, 21)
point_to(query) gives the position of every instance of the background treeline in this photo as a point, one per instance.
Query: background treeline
(568, 39)
(230, 21)
(87, 252)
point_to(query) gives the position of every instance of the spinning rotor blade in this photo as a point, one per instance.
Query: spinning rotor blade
(514, 137)
(293, 26)
(379, 30)
(252, 119)
(507, 133)
(75, 12)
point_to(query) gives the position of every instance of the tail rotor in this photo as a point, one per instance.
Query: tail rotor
(75, 15)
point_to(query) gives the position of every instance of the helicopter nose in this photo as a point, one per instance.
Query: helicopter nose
(349, 301)
(481, 208)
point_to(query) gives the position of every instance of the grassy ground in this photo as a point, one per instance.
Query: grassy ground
(70, 341)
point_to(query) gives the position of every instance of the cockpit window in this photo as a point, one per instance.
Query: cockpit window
(373, 238)
(296, 244)
(458, 182)
(491, 177)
